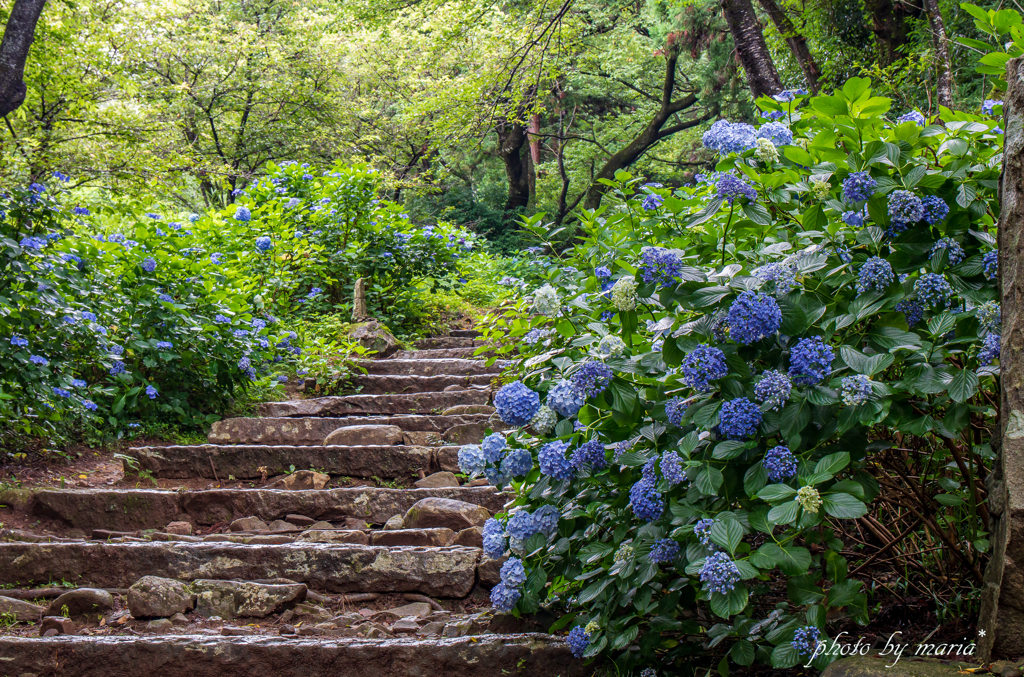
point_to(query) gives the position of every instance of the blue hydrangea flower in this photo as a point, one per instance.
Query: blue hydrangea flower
(810, 361)
(32, 242)
(935, 209)
(81, 211)
(78, 383)
(779, 463)
(674, 410)
(773, 389)
(905, 209)
(492, 447)
(494, 538)
(90, 405)
(782, 274)
(988, 106)
(263, 243)
(651, 202)
(805, 640)
(592, 379)
(664, 551)
(989, 316)
(954, 252)
(772, 114)
(521, 526)
(164, 345)
(38, 359)
(564, 399)
(516, 404)
(546, 519)
(115, 349)
(702, 530)
(730, 187)
(471, 460)
(912, 311)
(725, 137)
(243, 214)
(990, 264)
(719, 573)
(855, 389)
(703, 364)
(19, 341)
(738, 419)
(776, 132)
(513, 573)
(117, 368)
(876, 274)
(589, 455)
(753, 316)
(645, 500)
(858, 187)
(220, 319)
(989, 352)
(151, 391)
(495, 477)
(578, 641)
(672, 467)
(504, 598)
(166, 298)
(660, 266)
(934, 291)
(149, 264)
(553, 462)
(602, 272)
(60, 392)
(914, 116)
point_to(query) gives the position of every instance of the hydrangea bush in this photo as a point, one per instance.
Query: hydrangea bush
(714, 460)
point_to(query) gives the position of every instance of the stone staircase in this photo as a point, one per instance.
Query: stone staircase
(295, 576)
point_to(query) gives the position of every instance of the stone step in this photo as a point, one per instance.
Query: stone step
(380, 384)
(306, 431)
(536, 655)
(243, 462)
(465, 333)
(435, 571)
(416, 403)
(431, 367)
(448, 342)
(438, 354)
(134, 509)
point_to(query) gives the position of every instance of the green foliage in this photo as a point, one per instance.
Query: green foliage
(803, 245)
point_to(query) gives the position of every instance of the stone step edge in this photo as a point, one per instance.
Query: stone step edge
(133, 509)
(534, 654)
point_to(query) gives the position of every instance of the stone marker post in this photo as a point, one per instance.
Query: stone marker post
(1002, 600)
(359, 312)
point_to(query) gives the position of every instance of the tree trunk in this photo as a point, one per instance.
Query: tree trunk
(890, 26)
(944, 85)
(752, 50)
(511, 140)
(796, 41)
(18, 36)
(654, 132)
(1002, 595)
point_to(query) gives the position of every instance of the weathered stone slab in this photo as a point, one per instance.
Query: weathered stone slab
(471, 433)
(465, 333)
(378, 384)
(424, 537)
(445, 513)
(439, 354)
(484, 410)
(336, 536)
(438, 479)
(132, 509)
(535, 655)
(440, 572)
(365, 435)
(305, 431)
(431, 367)
(244, 599)
(155, 597)
(448, 342)
(245, 461)
(296, 481)
(416, 403)
(23, 612)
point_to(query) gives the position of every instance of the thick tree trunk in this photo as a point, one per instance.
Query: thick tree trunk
(18, 36)
(752, 50)
(650, 135)
(1002, 597)
(890, 26)
(944, 67)
(511, 140)
(796, 41)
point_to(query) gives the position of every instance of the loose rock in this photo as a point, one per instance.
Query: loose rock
(437, 480)
(232, 599)
(299, 520)
(23, 612)
(445, 512)
(154, 597)
(299, 480)
(249, 524)
(81, 601)
(281, 525)
(472, 538)
(179, 528)
(159, 625)
(365, 435)
(58, 625)
(395, 522)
